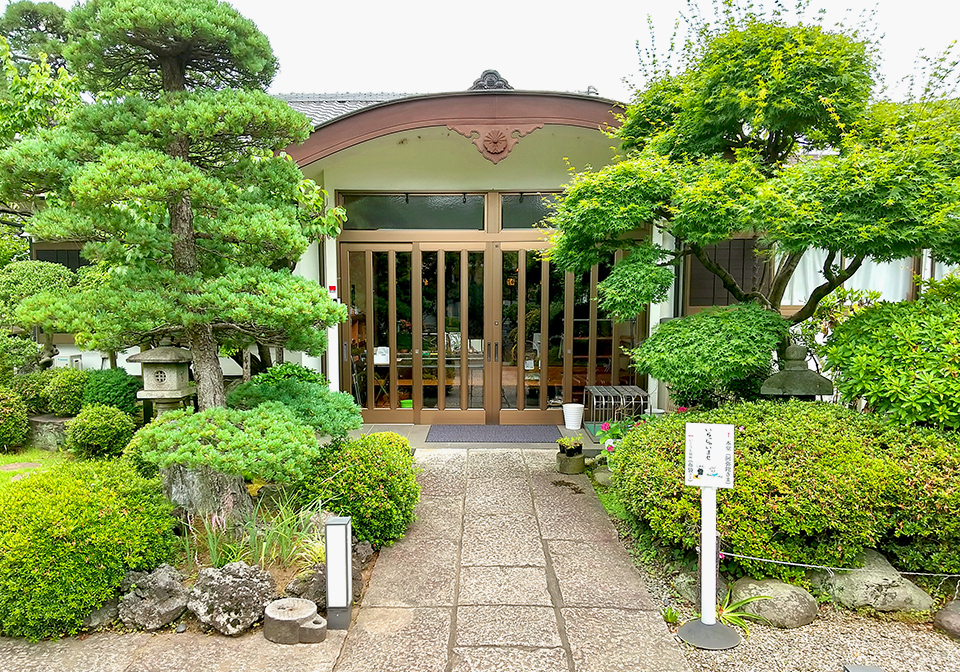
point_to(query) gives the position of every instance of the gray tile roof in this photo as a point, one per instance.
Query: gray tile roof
(323, 107)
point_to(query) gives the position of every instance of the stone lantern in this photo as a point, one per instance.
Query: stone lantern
(796, 380)
(166, 376)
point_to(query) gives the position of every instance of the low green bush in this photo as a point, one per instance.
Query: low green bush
(716, 355)
(903, 358)
(267, 442)
(329, 413)
(373, 479)
(65, 391)
(66, 538)
(290, 371)
(99, 431)
(814, 483)
(32, 388)
(14, 423)
(112, 387)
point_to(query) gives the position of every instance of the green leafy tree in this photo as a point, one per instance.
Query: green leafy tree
(721, 148)
(172, 180)
(35, 32)
(20, 280)
(31, 97)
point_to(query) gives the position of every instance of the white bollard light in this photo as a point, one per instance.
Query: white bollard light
(339, 540)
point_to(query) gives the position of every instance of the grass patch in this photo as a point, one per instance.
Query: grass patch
(44, 458)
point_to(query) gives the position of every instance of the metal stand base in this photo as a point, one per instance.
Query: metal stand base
(338, 618)
(713, 637)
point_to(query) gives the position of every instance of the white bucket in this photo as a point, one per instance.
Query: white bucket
(572, 415)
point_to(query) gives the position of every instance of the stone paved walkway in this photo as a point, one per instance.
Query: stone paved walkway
(511, 566)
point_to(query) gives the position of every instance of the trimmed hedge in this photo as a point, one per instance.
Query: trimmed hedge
(66, 538)
(267, 442)
(373, 479)
(14, 423)
(99, 431)
(112, 387)
(65, 391)
(815, 483)
(329, 413)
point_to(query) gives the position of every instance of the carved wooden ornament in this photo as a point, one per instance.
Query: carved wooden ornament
(495, 142)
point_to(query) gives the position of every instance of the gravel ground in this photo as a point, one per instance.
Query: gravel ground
(835, 638)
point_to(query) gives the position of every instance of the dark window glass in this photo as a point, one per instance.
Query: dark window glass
(524, 211)
(366, 213)
(739, 257)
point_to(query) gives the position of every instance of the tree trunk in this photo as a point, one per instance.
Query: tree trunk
(204, 492)
(206, 368)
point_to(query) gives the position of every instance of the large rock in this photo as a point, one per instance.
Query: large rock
(103, 616)
(233, 598)
(152, 600)
(687, 584)
(788, 606)
(877, 585)
(310, 584)
(948, 619)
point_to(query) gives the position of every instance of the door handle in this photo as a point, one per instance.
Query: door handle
(496, 351)
(488, 351)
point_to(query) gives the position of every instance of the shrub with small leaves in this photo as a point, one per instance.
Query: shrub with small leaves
(14, 423)
(716, 355)
(903, 359)
(112, 387)
(65, 391)
(329, 413)
(267, 442)
(290, 371)
(373, 479)
(66, 538)
(32, 388)
(99, 431)
(811, 482)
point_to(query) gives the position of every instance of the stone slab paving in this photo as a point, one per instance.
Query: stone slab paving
(168, 652)
(540, 582)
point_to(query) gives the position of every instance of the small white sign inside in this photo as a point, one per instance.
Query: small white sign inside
(708, 458)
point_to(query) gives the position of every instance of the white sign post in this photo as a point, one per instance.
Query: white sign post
(708, 465)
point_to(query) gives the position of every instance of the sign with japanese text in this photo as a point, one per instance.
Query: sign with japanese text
(708, 458)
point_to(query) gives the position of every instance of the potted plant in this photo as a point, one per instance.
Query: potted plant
(571, 445)
(570, 455)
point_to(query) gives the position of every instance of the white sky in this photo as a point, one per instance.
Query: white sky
(428, 46)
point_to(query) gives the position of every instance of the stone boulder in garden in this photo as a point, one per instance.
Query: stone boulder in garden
(876, 585)
(787, 607)
(233, 598)
(152, 600)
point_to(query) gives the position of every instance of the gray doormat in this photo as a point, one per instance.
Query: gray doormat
(493, 434)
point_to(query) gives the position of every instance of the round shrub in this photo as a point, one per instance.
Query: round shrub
(112, 387)
(329, 413)
(903, 359)
(32, 388)
(14, 423)
(66, 538)
(719, 354)
(812, 483)
(372, 479)
(99, 431)
(267, 442)
(65, 391)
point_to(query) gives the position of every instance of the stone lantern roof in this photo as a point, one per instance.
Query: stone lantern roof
(165, 354)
